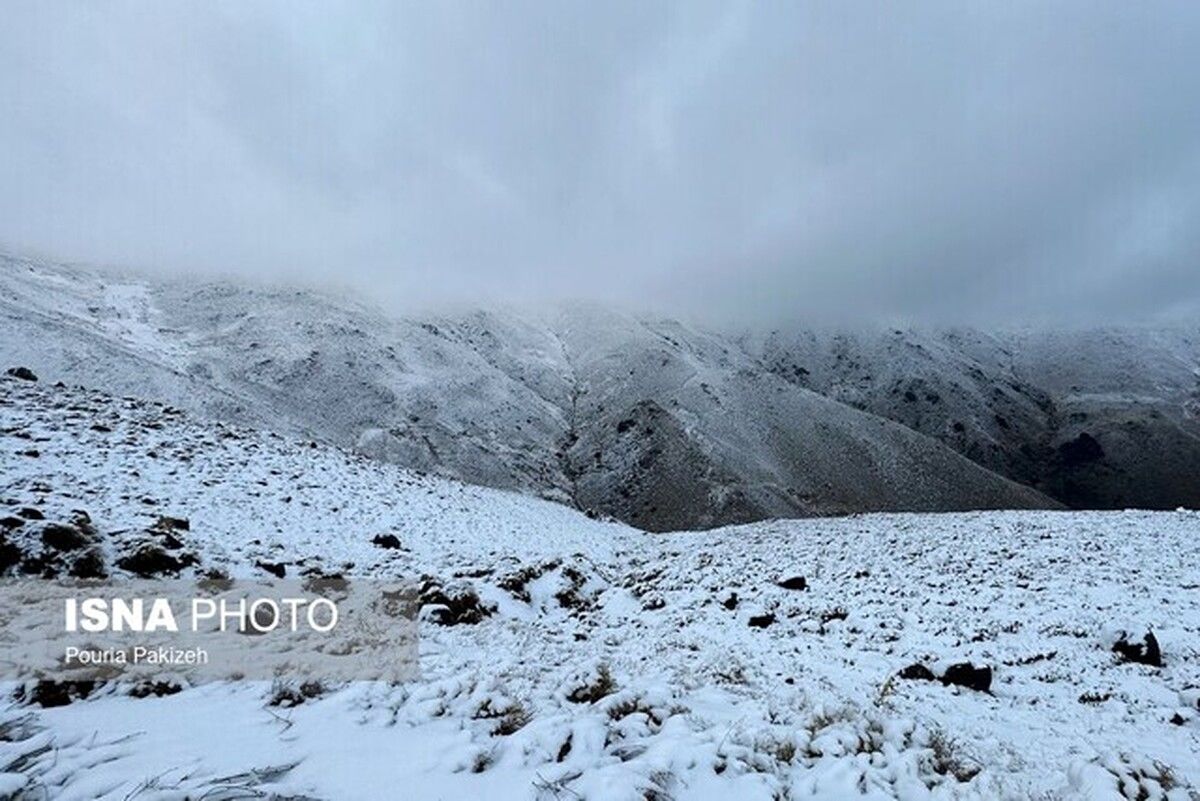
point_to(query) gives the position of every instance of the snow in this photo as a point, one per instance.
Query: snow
(612, 668)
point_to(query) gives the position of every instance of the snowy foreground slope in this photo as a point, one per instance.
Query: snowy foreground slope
(614, 664)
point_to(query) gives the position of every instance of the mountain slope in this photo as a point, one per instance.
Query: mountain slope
(1097, 418)
(649, 421)
(611, 665)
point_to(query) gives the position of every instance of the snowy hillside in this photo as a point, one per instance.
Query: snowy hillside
(1096, 418)
(583, 659)
(650, 421)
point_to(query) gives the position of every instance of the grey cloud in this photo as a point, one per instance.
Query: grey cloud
(975, 161)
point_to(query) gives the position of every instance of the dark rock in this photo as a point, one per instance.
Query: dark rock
(9, 554)
(158, 689)
(23, 373)
(964, 674)
(794, 583)
(42, 565)
(762, 621)
(83, 521)
(276, 569)
(29, 513)
(48, 692)
(390, 541)
(654, 603)
(1145, 652)
(731, 602)
(917, 672)
(11, 522)
(151, 560)
(168, 540)
(168, 523)
(63, 537)
(89, 565)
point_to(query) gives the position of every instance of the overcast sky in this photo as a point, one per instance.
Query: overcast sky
(991, 161)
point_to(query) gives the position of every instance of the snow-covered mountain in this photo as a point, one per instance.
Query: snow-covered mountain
(654, 422)
(649, 421)
(1096, 418)
(587, 659)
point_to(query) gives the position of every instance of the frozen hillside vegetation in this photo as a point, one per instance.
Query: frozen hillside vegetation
(662, 425)
(1015, 654)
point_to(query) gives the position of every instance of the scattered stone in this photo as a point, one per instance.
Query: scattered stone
(654, 603)
(30, 513)
(41, 565)
(151, 560)
(1094, 697)
(168, 523)
(917, 672)
(965, 674)
(731, 602)
(23, 373)
(83, 521)
(389, 541)
(762, 621)
(89, 565)
(794, 583)
(11, 522)
(49, 693)
(168, 540)
(276, 569)
(64, 537)
(158, 689)
(10, 554)
(1144, 653)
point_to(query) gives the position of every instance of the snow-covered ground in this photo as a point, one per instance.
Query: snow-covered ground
(616, 664)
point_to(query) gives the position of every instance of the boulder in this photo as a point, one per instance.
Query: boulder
(1145, 652)
(917, 672)
(64, 537)
(389, 541)
(965, 674)
(23, 373)
(151, 560)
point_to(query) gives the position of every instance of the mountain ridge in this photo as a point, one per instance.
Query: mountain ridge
(658, 423)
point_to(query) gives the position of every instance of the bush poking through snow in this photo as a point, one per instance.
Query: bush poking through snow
(453, 605)
(287, 695)
(1120, 777)
(946, 759)
(595, 686)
